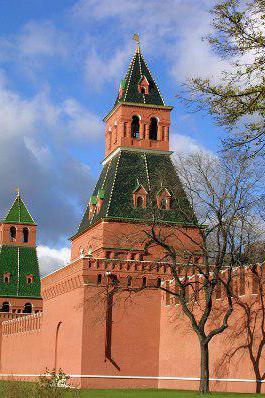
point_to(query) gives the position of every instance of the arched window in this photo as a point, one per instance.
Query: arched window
(129, 280)
(158, 282)
(153, 128)
(13, 233)
(140, 201)
(6, 279)
(144, 281)
(27, 308)
(81, 252)
(25, 235)
(99, 279)
(5, 307)
(143, 90)
(135, 127)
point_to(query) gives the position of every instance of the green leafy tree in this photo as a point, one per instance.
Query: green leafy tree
(237, 100)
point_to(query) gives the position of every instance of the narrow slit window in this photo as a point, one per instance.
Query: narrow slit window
(129, 280)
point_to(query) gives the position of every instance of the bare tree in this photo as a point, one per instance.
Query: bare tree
(223, 194)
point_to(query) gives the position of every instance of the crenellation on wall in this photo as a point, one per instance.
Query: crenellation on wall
(24, 324)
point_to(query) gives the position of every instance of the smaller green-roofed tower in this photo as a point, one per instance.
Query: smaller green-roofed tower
(19, 267)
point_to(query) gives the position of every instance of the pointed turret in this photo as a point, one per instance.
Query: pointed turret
(19, 213)
(139, 86)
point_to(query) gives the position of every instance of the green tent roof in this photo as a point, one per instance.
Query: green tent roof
(18, 213)
(129, 169)
(137, 70)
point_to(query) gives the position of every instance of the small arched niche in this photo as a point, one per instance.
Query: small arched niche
(140, 196)
(153, 127)
(135, 126)
(163, 199)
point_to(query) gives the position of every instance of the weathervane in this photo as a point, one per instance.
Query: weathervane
(136, 37)
(17, 191)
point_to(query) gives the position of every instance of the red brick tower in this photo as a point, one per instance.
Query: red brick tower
(138, 176)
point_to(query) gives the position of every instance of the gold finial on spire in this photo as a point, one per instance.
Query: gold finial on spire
(17, 191)
(136, 37)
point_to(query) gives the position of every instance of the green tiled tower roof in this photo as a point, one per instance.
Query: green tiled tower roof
(19, 262)
(137, 70)
(18, 213)
(129, 169)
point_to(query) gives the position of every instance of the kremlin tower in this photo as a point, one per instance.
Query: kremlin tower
(138, 183)
(19, 268)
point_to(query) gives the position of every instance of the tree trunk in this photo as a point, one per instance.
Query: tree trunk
(258, 387)
(204, 382)
(258, 381)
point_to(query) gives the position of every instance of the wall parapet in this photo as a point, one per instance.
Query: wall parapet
(25, 324)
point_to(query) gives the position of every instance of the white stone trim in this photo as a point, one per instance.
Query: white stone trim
(112, 188)
(138, 377)
(18, 269)
(117, 150)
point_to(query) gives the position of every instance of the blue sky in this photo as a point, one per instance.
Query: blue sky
(60, 67)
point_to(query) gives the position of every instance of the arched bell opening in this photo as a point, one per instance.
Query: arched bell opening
(135, 126)
(153, 127)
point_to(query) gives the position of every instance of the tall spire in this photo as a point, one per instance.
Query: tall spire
(139, 86)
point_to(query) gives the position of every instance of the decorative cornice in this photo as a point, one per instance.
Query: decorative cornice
(167, 107)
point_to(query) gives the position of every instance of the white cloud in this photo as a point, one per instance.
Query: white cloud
(52, 259)
(41, 39)
(81, 122)
(180, 143)
(100, 69)
(171, 29)
(35, 133)
(38, 114)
